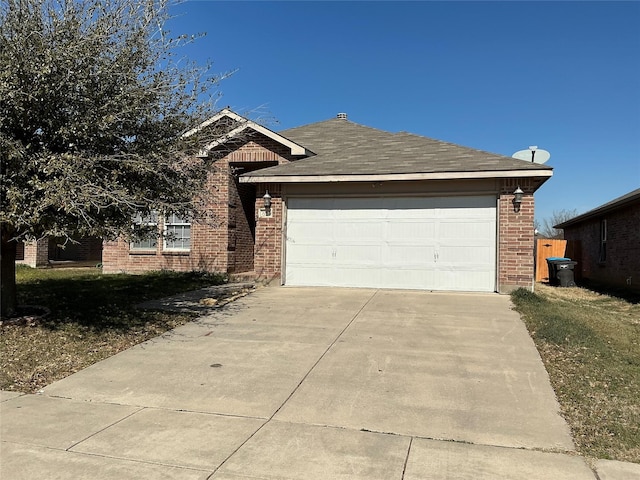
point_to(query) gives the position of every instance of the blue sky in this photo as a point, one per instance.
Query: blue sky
(497, 76)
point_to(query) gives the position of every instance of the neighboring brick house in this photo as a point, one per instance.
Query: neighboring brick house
(51, 251)
(605, 242)
(353, 206)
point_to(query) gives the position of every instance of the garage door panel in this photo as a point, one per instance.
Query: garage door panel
(358, 254)
(312, 275)
(410, 213)
(472, 281)
(481, 249)
(358, 277)
(310, 254)
(311, 206)
(467, 213)
(362, 230)
(467, 229)
(347, 276)
(315, 215)
(408, 232)
(410, 256)
(438, 243)
(352, 207)
(465, 257)
(309, 232)
(408, 278)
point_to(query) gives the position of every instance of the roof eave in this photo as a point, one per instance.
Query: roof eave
(596, 212)
(251, 178)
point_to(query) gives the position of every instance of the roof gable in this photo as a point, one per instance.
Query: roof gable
(239, 125)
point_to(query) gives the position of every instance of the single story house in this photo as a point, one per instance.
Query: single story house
(336, 203)
(605, 242)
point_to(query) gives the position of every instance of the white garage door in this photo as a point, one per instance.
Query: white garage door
(434, 243)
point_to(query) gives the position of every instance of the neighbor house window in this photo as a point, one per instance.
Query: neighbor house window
(603, 240)
(177, 231)
(148, 223)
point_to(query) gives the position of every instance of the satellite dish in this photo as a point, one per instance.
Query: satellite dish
(533, 154)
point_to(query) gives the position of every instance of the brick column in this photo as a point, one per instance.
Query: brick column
(36, 253)
(516, 237)
(268, 246)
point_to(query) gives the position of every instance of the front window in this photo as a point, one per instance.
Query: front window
(147, 229)
(177, 232)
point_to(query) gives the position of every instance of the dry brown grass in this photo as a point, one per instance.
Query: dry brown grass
(35, 356)
(590, 344)
(93, 316)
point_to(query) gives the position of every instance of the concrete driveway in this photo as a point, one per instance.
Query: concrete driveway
(306, 383)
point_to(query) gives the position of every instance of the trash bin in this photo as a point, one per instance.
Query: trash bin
(561, 271)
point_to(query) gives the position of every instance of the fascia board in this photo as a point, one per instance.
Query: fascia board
(248, 178)
(222, 113)
(295, 148)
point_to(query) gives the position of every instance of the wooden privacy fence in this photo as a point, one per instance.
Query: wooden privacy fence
(545, 248)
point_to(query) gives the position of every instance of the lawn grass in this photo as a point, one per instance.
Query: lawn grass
(590, 345)
(93, 316)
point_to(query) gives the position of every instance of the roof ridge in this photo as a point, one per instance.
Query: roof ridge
(336, 120)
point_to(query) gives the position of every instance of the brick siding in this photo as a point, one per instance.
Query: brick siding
(35, 253)
(80, 250)
(515, 237)
(20, 252)
(268, 245)
(223, 241)
(621, 268)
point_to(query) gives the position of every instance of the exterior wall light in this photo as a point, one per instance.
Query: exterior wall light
(267, 203)
(517, 199)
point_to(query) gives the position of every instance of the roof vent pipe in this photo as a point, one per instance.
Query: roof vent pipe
(342, 116)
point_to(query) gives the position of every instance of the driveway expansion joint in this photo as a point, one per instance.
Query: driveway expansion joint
(331, 345)
(406, 460)
(306, 375)
(135, 460)
(571, 453)
(105, 428)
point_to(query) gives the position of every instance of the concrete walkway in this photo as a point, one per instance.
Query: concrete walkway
(309, 383)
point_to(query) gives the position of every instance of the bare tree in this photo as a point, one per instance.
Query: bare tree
(94, 104)
(546, 226)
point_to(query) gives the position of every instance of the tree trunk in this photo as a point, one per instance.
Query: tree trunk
(8, 298)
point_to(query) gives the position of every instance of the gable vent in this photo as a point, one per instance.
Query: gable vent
(342, 116)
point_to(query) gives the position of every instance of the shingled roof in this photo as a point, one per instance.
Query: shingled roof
(620, 202)
(346, 151)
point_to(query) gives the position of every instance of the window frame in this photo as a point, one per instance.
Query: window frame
(168, 244)
(602, 255)
(150, 220)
